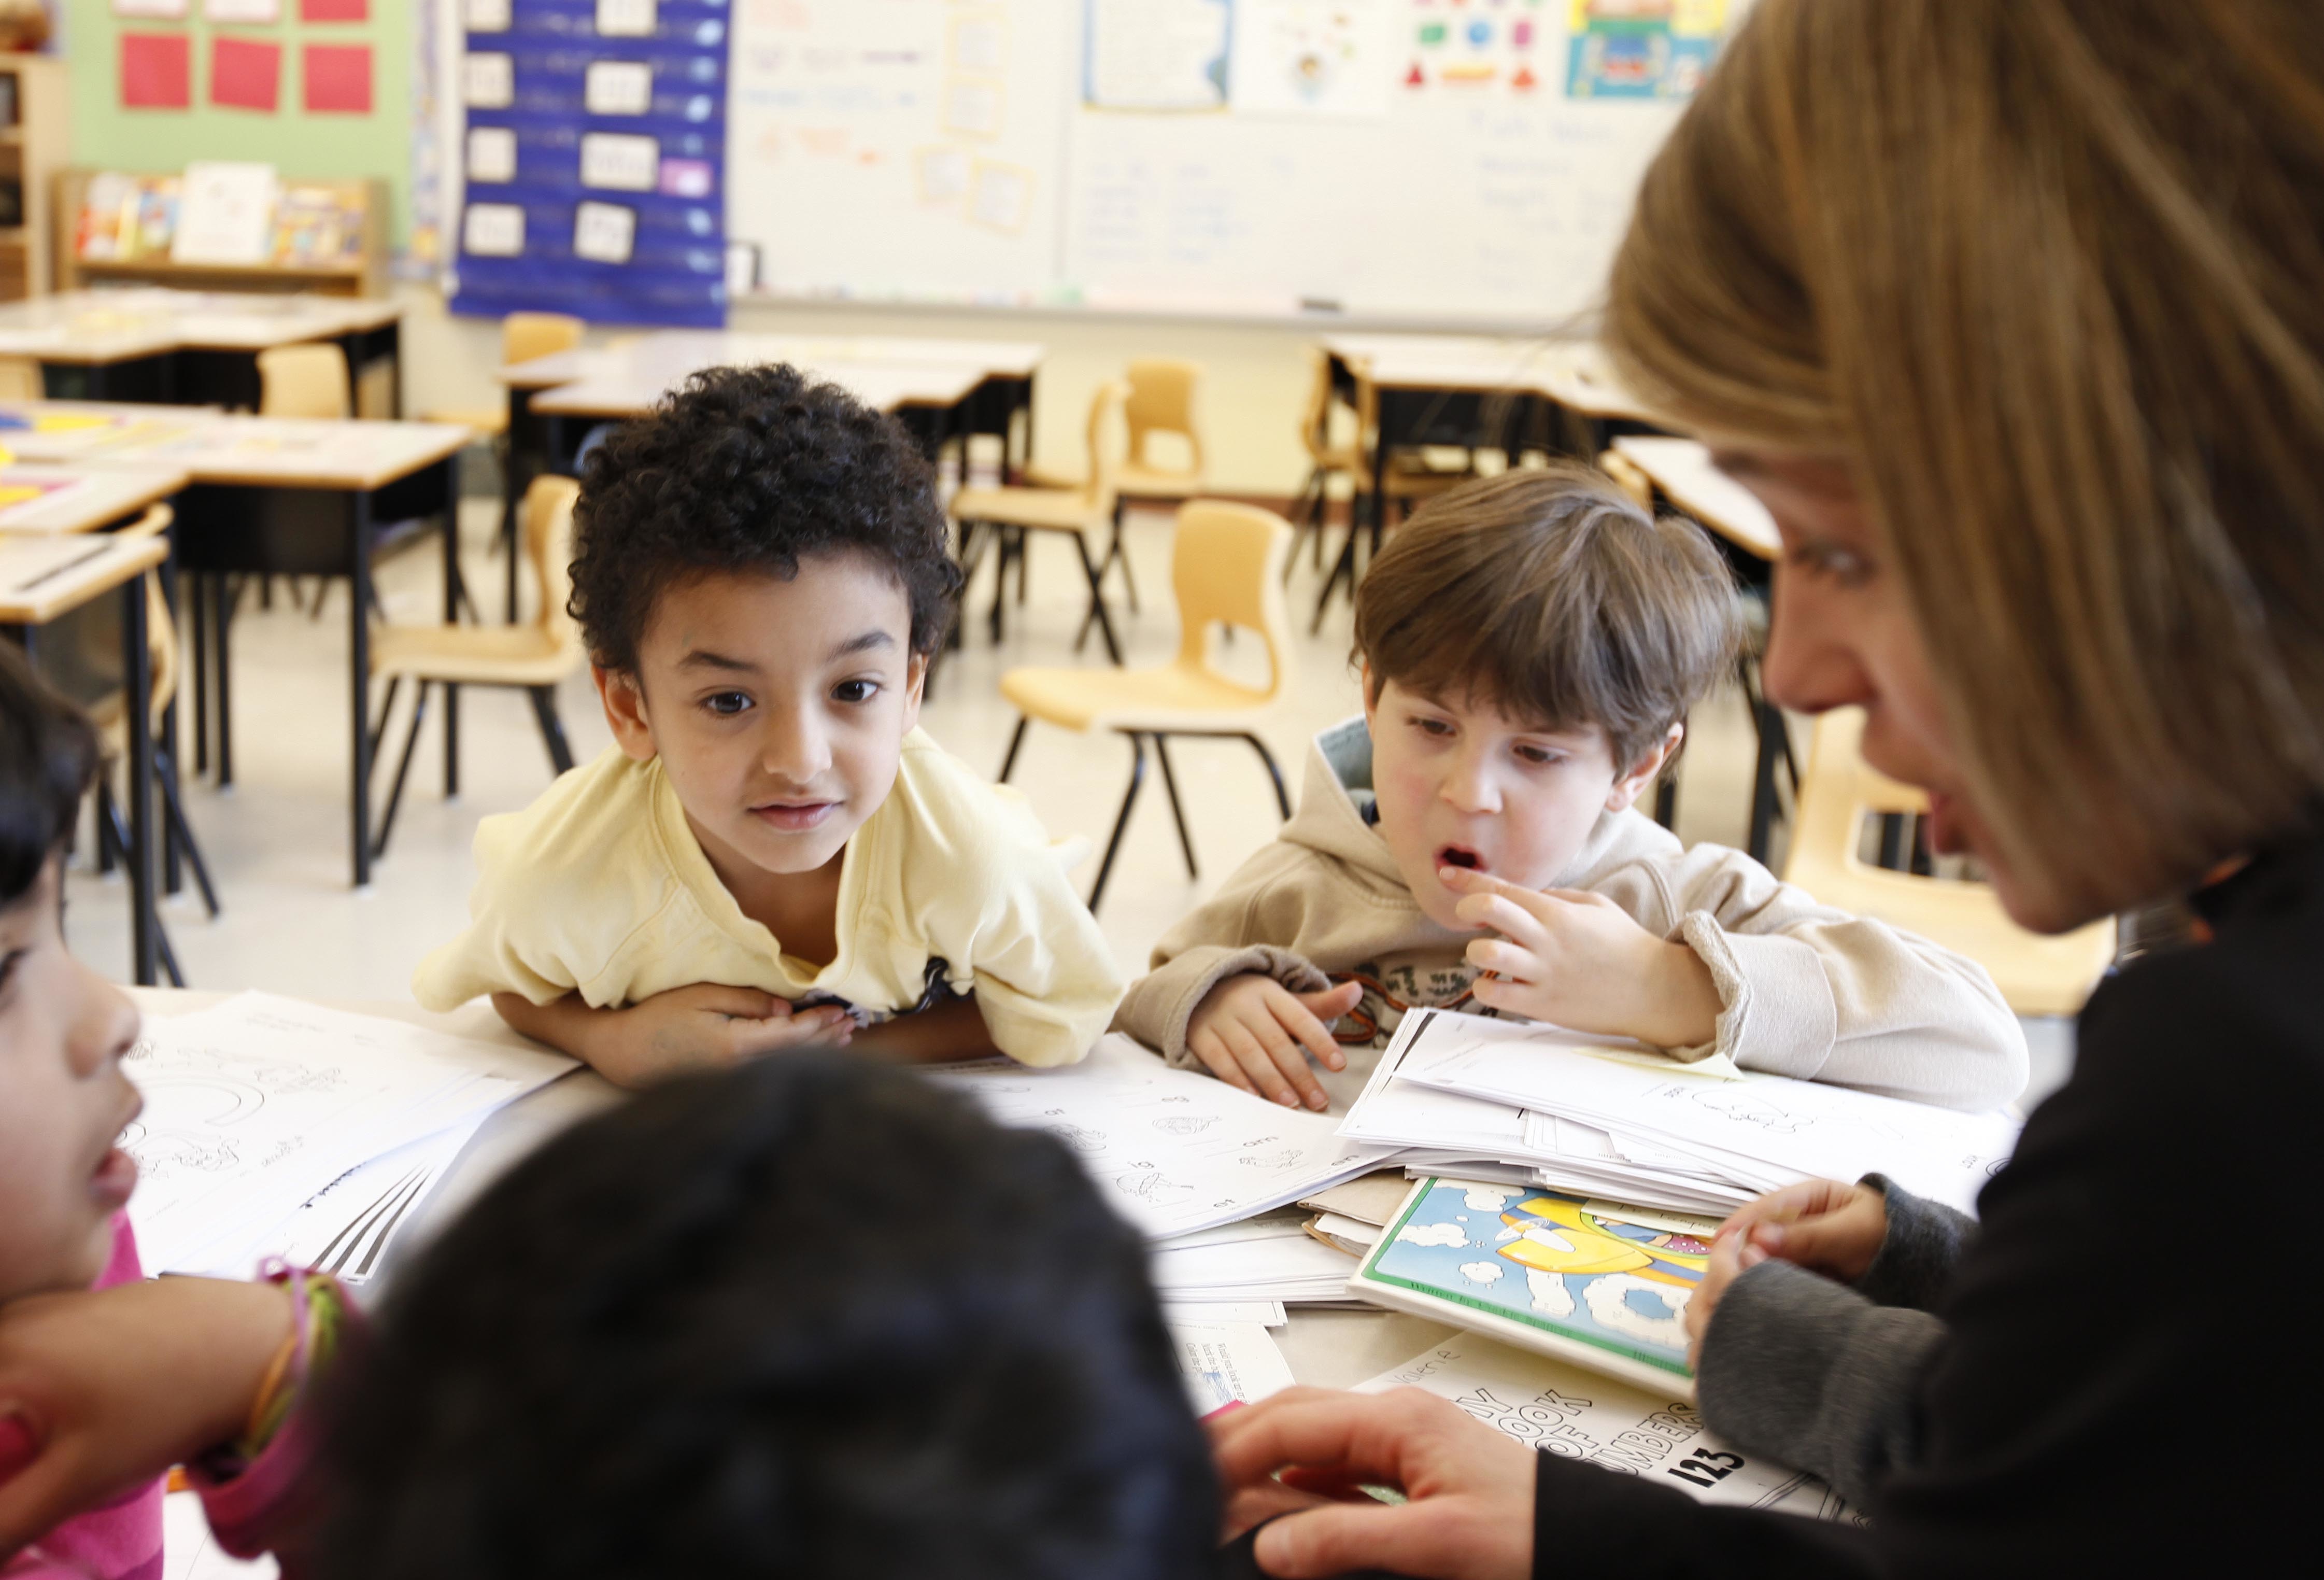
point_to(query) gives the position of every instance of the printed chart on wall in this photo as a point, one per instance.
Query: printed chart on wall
(592, 155)
(897, 148)
(1456, 158)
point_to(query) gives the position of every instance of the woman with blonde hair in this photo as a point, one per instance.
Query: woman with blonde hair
(2013, 313)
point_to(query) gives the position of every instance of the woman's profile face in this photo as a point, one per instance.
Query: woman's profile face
(1845, 637)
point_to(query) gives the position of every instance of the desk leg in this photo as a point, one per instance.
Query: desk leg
(515, 473)
(198, 605)
(359, 532)
(223, 598)
(173, 873)
(137, 699)
(452, 617)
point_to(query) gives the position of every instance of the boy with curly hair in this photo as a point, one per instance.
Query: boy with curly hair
(773, 855)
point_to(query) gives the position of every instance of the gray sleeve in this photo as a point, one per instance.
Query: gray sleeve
(1812, 1374)
(1926, 1239)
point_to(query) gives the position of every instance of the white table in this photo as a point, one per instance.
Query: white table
(1681, 471)
(1328, 1349)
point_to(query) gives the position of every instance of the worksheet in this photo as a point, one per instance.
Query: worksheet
(256, 1104)
(1552, 1407)
(1228, 1362)
(1171, 1149)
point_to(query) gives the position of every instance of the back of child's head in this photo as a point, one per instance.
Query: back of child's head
(748, 470)
(1553, 596)
(810, 1318)
(48, 756)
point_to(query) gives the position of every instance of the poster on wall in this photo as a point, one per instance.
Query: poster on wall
(1466, 52)
(556, 118)
(1642, 49)
(1158, 54)
(1327, 59)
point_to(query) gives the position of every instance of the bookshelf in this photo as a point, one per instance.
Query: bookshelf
(35, 134)
(116, 227)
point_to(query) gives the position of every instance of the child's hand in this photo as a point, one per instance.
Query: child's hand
(710, 1027)
(1820, 1225)
(1253, 1032)
(1578, 960)
(99, 1392)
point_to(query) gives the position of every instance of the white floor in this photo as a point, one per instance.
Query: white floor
(277, 840)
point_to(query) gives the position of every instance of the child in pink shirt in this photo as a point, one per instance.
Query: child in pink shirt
(107, 1380)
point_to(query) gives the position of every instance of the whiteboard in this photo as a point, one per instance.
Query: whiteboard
(1234, 157)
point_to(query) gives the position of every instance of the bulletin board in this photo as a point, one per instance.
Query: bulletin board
(318, 88)
(591, 154)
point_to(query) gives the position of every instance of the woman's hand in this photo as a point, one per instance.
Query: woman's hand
(1824, 1225)
(1469, 1516)
(101, 1391)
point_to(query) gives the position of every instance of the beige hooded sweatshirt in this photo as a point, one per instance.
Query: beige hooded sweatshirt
(1806, 991)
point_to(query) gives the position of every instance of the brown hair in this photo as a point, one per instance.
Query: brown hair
(1551, 595)
(2049, 275)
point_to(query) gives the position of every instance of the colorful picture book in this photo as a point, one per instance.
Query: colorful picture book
(128, 218)
(1559, 1274)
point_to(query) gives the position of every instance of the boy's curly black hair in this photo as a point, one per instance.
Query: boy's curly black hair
(752, 470)
(809, 1317)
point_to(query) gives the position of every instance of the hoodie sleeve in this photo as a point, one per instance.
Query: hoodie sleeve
(1820, 995)
(1256, 922)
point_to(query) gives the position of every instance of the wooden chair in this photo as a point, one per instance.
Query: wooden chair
(21, 379)
(2037, 975)
(1226, 566)
(304, 381)
(524, 336)
(1082, 510)
(534, 657)
(110, 714)
(1327, 458)
(1162, 391)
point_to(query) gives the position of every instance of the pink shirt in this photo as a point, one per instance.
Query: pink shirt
(121, 1541)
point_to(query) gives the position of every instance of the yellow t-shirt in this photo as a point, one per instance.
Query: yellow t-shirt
(600, 886)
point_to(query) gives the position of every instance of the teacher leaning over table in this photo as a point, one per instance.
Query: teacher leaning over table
(2013, 313)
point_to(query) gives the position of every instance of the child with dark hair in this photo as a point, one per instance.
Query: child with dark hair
(107, 1380)
(773, 855)
(808, 1318)
(1531, 646)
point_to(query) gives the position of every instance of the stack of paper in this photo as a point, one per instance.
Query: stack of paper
(1468, 1096)
(1173, 1151)
(1269, 1259)
(1228, 1362)
(276, 1128)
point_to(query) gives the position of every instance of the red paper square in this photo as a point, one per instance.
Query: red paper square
(334, 11)
(338, 79)
(245, 74)
(156, 71)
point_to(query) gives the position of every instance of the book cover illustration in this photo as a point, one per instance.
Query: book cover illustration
(1553, 1264)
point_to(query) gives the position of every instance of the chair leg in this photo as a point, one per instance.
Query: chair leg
(174, 809)
(552, 728)
(1016, 739)
(402, 768)
(169, 955)
(1177, 812)
(1114, 556)
(1345, 566)
(1097, 601)
(1274, 773)
(1007, 543)
(1666, 801)
(1120, 824)
(1024, 567)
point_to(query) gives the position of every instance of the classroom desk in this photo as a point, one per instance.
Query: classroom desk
(1681, 473)
(80, 499)
(1684, 478)
(152, 344)
(275, 496)
(43, 577)
(1325, 1349)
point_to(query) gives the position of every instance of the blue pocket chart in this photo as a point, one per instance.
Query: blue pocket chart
(594, 160)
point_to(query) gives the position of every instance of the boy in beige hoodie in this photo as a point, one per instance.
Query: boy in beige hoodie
(1531, 646)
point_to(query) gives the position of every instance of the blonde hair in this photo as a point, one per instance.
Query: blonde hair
(2049, 275)
(1551, 594)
